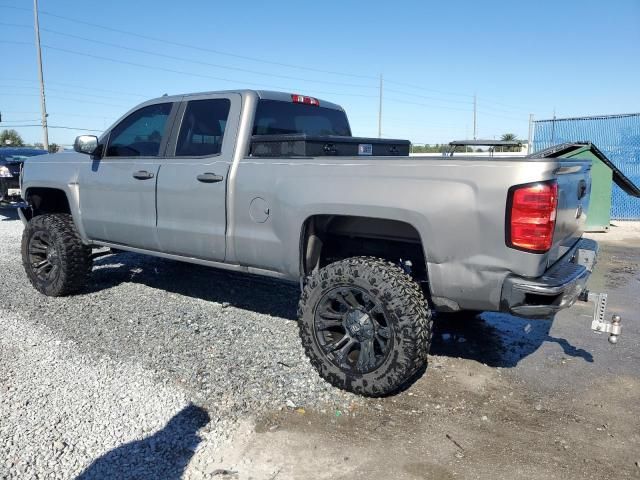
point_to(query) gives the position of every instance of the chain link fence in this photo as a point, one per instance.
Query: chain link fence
(617, 136)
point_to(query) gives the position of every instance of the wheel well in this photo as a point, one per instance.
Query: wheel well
(328, 238)
(45, 200)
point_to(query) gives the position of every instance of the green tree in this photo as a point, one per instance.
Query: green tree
(509, 137)
(53, 148)
(11, 137)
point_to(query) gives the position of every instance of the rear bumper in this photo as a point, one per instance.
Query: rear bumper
(558, 288)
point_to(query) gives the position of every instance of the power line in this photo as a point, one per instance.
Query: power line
(93, 95)
(503, 116)
(254, 72)
(396, 100)
(408, 85)
(460, 95)
(512, 111)
(245, 57)
(55, 97)
(53, 126)
(411, 94)
(509, 106)
(101, 117)
(23, 121)
(196, 47)
(148, 52)
(170, 70)
(197, 62)
(82, 87)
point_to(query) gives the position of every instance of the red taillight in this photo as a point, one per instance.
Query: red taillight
(531, 211)
(302, 99)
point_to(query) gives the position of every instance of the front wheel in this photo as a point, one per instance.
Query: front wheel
(365, 325)
(53, 255)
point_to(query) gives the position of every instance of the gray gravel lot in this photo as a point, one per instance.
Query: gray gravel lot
(116, 364)
(164, 370)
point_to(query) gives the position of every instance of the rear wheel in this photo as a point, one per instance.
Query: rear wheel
(365, 325)
(56, 261)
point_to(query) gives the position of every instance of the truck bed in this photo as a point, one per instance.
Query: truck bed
(456, 204)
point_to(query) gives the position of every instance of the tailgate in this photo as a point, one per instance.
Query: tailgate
(574, 186)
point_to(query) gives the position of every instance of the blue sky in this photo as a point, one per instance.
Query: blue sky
(577, 57)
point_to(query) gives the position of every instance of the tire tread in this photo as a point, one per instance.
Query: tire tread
(75, 256)
(415, 312)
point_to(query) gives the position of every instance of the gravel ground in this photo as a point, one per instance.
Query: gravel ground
(163, 370)
(140, 361)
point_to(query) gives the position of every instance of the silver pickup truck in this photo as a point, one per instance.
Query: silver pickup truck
(377, 243)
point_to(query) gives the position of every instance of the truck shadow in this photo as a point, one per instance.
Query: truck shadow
(495, 339)
(8, 213)
(165, 454)
(248, 292)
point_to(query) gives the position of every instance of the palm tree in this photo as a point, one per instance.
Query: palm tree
(509, 137)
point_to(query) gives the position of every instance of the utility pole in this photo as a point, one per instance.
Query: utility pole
(43, 104)
(530, 140)
(475, 117)
(380, 111)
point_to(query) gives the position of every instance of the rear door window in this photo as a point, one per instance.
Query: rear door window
(141, 133)
(274, 117)
(202, 129)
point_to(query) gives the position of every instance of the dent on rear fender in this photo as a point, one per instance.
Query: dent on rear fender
(465, 285)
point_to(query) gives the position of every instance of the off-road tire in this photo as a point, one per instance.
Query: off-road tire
(407, 312)
(72, 258)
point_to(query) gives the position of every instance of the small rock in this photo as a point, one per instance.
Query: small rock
(58, 445)
(485, 418)
(290, 403)
(538, 407)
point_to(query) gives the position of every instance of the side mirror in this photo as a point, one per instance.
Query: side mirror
(87, 144)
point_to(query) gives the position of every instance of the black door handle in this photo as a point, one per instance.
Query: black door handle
(142, 175)
(209, 178)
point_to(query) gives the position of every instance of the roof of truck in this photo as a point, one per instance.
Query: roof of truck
(262, 94)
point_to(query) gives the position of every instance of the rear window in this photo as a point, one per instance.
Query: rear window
(274, 117)
(203, 127)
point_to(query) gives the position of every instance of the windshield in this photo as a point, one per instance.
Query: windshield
(274, 117)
